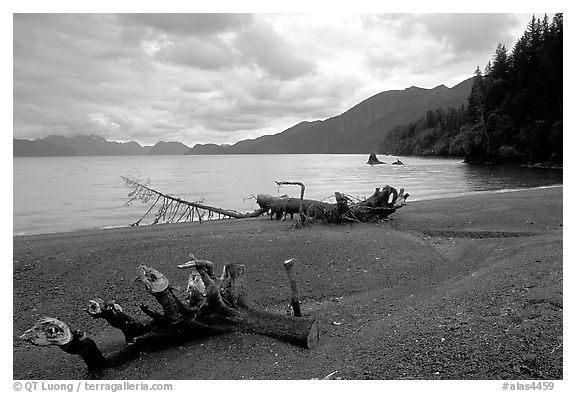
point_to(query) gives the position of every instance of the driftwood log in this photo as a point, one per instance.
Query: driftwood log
(294, 301)
(211, 305)
(174, 210)
(378, 206)
(50, 331)
(171, 209)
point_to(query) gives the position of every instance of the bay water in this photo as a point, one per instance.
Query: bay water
(61, 194)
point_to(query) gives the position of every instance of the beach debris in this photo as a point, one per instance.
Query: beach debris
(283, 210)
(294, 302)
(51, 331)
(216, 306)
(174, 210)
(48, 331)
(378, 207)
(330, 375)
(113, 313)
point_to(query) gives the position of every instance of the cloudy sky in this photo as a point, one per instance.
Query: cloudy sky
(221, 78)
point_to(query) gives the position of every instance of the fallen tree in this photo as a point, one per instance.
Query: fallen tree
(212, 305)
(172, 209)
(378, 206)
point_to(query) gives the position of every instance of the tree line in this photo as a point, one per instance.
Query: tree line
(514, 111)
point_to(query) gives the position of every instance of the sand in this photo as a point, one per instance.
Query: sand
(460, 288)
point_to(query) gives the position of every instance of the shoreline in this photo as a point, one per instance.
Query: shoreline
(455, 288)
(410, 201)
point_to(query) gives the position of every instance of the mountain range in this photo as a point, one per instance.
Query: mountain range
(358, 130)
(91, 145)
(361, 129)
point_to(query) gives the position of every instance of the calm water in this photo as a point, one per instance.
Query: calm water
(59, 194)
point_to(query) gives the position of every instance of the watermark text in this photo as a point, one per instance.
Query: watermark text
(90, 386)
(525, 385)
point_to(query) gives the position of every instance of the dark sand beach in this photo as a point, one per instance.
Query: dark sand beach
(460, 288)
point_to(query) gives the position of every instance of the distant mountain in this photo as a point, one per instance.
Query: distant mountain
(272, 144)
(208, 148)
(94, 145)
(168, 148)
(358, 130)
(81, 145)
(27, 148)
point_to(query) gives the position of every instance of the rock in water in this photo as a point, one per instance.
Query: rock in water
(373, 160)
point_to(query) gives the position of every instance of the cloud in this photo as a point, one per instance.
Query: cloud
(196, 53)
(469, 32)
(225, 77)
(387, 63)
(404, 26)
(444, 45)
(261, 46)
(188, 24)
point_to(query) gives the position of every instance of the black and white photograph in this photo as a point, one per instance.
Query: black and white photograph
(297, 195)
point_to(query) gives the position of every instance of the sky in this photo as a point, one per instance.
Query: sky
(221, 78)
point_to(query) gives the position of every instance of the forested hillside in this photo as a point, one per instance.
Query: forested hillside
(513, 114)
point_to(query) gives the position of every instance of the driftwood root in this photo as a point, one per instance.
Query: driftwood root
(212, 305)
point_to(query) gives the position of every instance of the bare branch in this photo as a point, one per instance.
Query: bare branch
(172, 206)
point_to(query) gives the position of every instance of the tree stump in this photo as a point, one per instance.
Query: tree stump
(212, 306)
